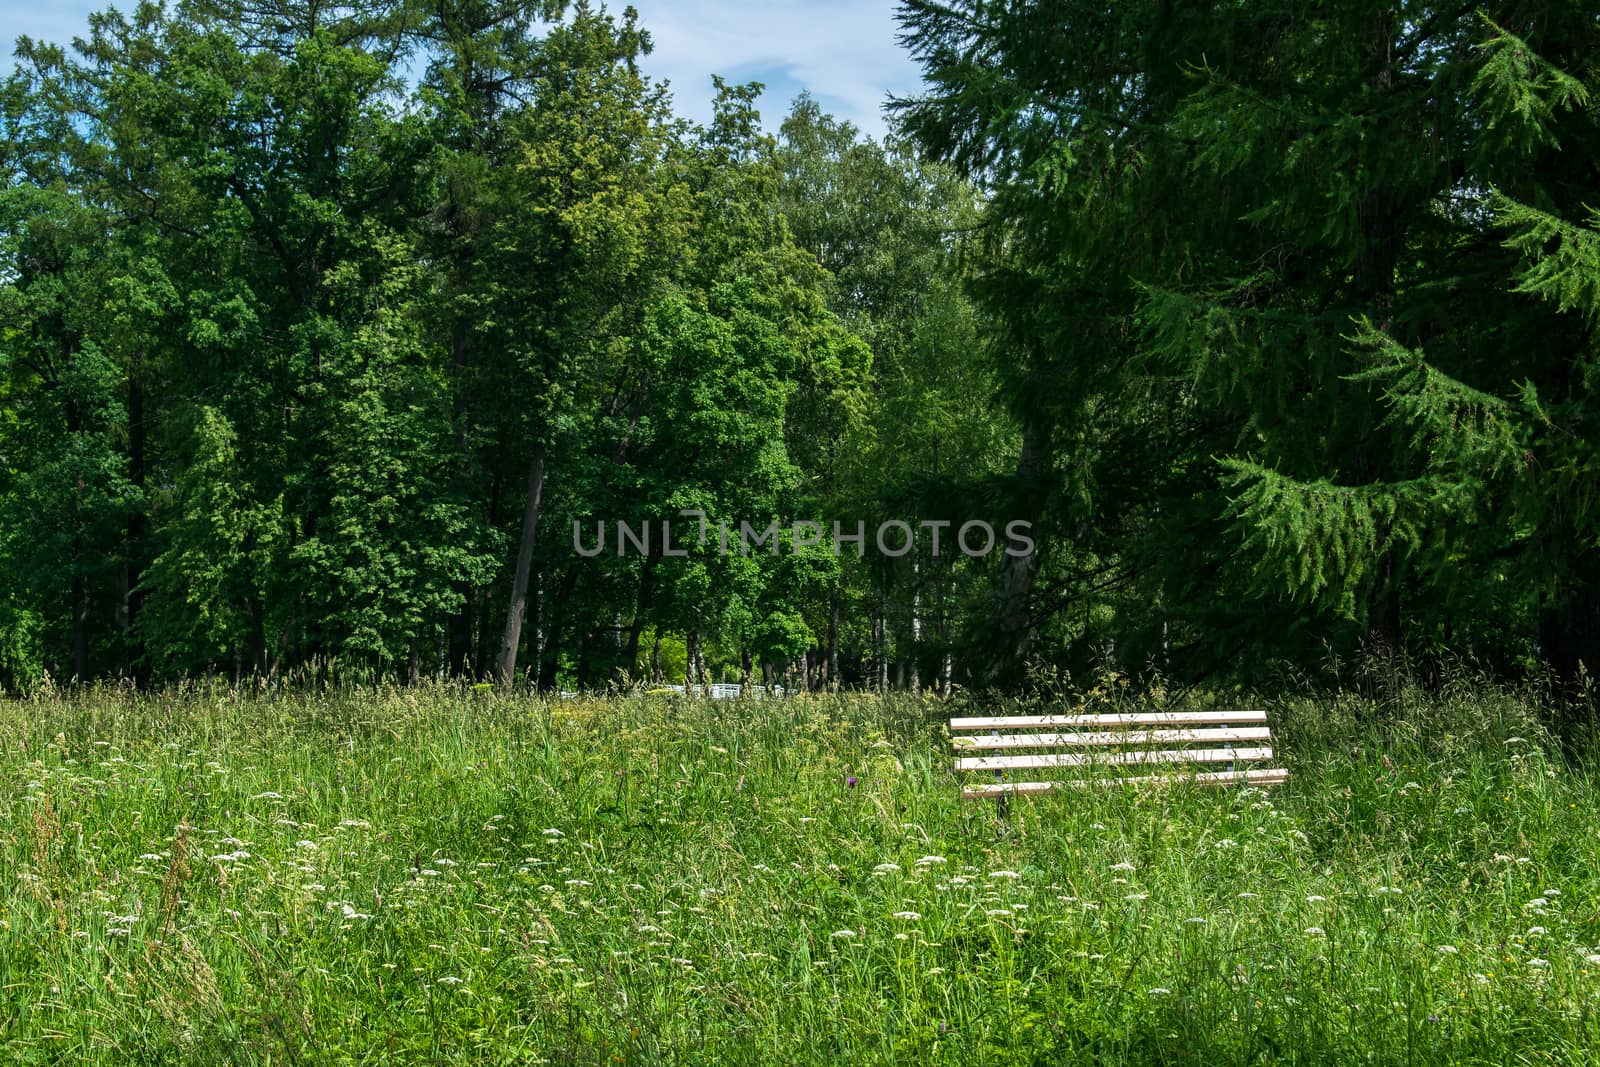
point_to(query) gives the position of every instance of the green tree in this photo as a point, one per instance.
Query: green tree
(1260, 233)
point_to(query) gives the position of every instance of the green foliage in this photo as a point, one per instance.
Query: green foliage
(1298, 246)
(1318, 539)
(1275, 323)
(1563, 258)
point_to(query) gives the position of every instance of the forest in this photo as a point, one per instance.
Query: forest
(323, 328)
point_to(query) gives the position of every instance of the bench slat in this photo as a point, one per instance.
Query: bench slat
(1082, 759)
(1218, 778)
(1000, 742)
(1154, 718)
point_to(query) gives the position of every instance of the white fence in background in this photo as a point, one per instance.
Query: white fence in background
(728, 691)
(718, 691)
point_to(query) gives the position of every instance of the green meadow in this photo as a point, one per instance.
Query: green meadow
(455, 877)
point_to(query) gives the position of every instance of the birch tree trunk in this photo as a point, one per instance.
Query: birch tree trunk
(916, 627)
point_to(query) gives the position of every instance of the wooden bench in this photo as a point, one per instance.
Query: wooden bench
(1101, 747)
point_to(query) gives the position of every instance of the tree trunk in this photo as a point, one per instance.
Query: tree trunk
(585, 659)
(880, 649)
(550, 664)
(641, 607)
(830, 655)
(1012, 617)
(458, 653)
(80, 615)
(1378, 215)
(691, 677)
(1569, 643)
(916, 627)
(132, 654)
(947, 667)
(509, 645)
(79, 594)
(258, 638)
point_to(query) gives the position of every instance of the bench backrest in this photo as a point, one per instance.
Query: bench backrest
(1211, 748)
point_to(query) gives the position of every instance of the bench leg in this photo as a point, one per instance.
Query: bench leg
(1002, 803)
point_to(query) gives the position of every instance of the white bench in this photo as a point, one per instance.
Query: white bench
(1101, 748)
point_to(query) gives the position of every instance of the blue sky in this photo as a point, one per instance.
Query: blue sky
(843, 51)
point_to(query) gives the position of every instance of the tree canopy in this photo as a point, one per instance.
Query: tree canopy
(332, 337)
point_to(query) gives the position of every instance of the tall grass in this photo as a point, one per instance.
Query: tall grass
(449, 876)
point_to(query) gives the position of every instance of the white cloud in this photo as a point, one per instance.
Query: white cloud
(843, 51)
